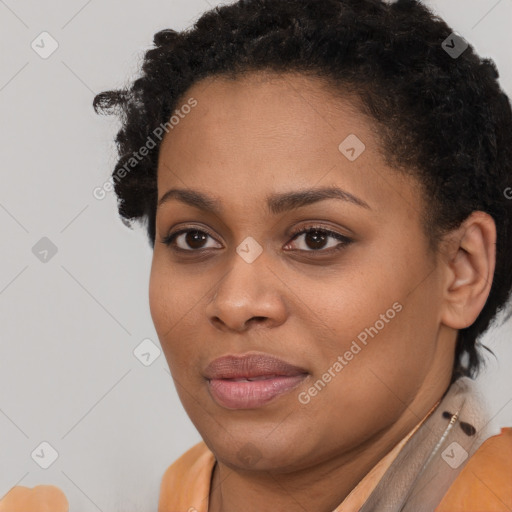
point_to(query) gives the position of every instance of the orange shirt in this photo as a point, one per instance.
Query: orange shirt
(41, 498)
(485, 482)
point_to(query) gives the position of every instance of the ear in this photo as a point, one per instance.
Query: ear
(470, 261)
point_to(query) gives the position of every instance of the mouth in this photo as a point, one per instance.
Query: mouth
(251, 381)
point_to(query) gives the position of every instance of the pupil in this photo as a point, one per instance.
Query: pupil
(317, 238)
(195, 238)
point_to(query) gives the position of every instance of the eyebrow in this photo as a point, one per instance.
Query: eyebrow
(276, 203)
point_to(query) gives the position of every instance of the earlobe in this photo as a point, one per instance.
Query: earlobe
(470, 267)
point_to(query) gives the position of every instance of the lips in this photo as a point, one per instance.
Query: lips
(251, 381)
(250, 366)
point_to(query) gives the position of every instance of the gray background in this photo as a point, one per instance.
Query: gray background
(69, 326)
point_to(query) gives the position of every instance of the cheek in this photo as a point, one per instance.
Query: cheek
(384, 328)
(173, 304)
(158, 290)
(388, 310)
(377, 378)
(164, 301)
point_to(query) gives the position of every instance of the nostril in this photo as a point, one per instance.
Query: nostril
(258, 319)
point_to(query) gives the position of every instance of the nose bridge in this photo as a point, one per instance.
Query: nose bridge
(245, 279)
(249, 289)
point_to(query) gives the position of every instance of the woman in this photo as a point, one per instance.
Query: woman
(323, 185)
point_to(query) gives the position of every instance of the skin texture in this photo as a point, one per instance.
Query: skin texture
(264, 134)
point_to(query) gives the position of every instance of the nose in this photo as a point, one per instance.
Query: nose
(249, 294)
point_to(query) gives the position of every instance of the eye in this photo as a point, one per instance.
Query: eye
(316, 239)
(193, 238)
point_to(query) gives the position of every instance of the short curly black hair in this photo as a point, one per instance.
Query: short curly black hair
(441, 117)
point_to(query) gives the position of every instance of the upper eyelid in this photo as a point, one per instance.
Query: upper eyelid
(295, 233)
(305, 229)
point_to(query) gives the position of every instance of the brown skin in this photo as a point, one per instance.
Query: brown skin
(263, 134)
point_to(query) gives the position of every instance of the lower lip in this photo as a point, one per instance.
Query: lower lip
(251, 394)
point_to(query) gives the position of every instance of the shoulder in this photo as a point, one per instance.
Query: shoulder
(485, 483)
(186, 482)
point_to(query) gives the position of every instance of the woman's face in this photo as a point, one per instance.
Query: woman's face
(355, 312)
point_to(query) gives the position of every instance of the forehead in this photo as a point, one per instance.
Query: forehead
(285, 108)
(267, 132)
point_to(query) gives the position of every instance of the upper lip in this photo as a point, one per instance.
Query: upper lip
(249, 366)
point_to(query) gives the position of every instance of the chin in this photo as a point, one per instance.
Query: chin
(246, 448)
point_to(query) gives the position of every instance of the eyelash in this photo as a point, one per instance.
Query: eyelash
(344, 240)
